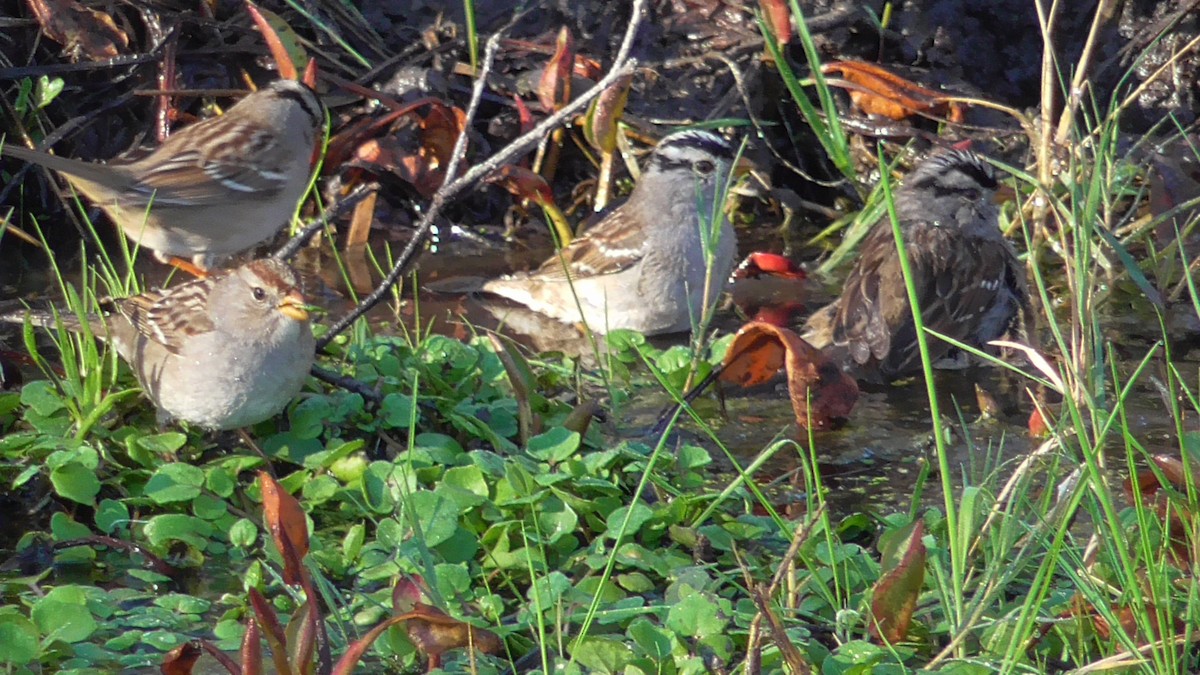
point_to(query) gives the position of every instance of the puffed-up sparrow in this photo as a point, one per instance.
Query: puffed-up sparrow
(643, 265)
(214, 188)
(969, 284)
(223, 352)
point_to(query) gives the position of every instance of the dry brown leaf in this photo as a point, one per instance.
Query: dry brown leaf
(554, 88)
(778, 17)
(877, 91)
(179, 661)
(81, 31)
(820, 391)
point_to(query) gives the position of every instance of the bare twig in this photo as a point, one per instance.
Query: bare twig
(330, 214)
(622, 65)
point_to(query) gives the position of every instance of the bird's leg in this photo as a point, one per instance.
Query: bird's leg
(189, 267)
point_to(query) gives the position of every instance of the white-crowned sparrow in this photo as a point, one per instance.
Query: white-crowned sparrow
(643, 265)
(222, 352)
(970, 285)
(214, 188)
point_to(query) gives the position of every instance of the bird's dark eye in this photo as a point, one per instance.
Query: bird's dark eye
(705, 167)
(259, 294)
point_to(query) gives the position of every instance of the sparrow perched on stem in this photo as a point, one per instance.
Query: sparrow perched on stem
(969, 284)
(214, 188)
(223, 352)
(652, 264)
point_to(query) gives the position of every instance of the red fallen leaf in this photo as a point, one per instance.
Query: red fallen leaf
(431, 630)
(81, 31)
(434, 633)
(1171, 506)
(895, 594)
(284, 58)
(554, 88)
(286, 521)
(779, 18)
(1127, 618)
(877, 91)
(760, 264)
(179, 661)
(522, 183)
(1037, 425)
(584, 66)
(424, 168)
(523, 115)
(819, 389)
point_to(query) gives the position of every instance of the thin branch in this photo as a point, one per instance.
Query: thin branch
(332, 212)
(622, 66)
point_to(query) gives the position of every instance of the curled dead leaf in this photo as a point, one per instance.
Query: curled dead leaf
(1169, 502)
(778, 17)
(601, 123)
(282, 41)
(522, 183)
(554, 88)
(820, 391)
(877, 91)
(80, 30)
(179, 661)
(434, 633)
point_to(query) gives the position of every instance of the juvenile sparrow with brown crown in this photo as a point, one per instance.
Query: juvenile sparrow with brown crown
(223, 352)
(214, 188)
(969, 283)
(643, 266)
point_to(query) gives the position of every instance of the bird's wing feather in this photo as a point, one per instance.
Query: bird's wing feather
(615, 244)
(171, 316)
(183, 173)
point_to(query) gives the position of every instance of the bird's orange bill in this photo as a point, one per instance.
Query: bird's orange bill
(294, 306)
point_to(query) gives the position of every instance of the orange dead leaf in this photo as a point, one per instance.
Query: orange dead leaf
(434, 633)
(584, 66)
(179, 661)
(778, 18)
(554, 88)
(522, 183)
(81, 31)
(285, 518)
(1170, 505)
(877, 91)
(898, 588)
(281, 40)
(424, 168)
(819, 389)
(1037, 424)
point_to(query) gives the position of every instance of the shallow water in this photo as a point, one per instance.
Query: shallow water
(870, 463)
